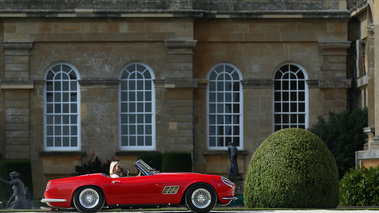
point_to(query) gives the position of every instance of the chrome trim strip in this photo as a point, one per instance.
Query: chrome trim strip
(229, 198)
(53, 200)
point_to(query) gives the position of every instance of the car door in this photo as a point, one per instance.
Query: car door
(131, 190)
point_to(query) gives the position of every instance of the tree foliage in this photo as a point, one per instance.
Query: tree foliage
(343, 135)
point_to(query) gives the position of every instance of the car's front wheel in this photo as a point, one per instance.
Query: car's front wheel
(89, 199)
(200, 197)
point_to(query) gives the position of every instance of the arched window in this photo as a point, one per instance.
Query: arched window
(137, 108)
(224, 109)
(290, 97)
(61, 108)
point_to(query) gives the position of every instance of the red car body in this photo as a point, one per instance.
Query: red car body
(150, 190)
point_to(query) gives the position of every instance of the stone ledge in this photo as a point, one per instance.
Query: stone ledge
(128, 153)
(223, 152)
(16, 84)
(99, 82)
(62, 153)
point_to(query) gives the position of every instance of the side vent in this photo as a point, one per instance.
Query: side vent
(170, 190)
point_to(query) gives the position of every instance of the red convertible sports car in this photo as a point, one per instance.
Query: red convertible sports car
(92, 192)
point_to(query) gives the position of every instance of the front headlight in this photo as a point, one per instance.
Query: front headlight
(227, 182)
(48, 186)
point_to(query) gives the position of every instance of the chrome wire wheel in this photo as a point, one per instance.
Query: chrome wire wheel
(201, 198)
(89, 198)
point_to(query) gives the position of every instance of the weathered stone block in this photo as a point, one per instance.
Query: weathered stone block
(60, 165)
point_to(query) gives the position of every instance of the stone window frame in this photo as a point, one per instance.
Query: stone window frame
(139, 125)
(290, 105)
(62, 129)
(214, 128)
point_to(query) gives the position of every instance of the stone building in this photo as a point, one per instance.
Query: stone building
(125, 77)
(364, 35)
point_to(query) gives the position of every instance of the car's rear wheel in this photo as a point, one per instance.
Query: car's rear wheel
(89, 199)
(200, 197)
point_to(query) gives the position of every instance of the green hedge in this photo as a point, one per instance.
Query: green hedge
(177, 162)
(359, 187)
(154, 159)
(292, 168)
(21, 166)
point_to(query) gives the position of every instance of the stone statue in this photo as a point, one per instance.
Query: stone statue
(17, 200)
(233, 171)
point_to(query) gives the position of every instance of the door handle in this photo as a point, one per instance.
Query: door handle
(116, 181)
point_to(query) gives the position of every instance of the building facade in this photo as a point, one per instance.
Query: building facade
(125, 77)
(364, 23)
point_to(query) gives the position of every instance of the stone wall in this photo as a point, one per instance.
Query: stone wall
(180, 41)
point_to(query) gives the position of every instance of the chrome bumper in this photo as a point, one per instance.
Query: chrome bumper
(53, 200)
(229, 198)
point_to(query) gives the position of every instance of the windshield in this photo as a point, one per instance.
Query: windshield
(144, 167)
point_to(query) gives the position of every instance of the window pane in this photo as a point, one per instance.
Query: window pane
(124, 107)
(148, 129)
(49, 108)
(66, 108)
(65, 85)
(140, 119)
(132, 96)
(74, 141)
(278, 118)
(140, 107)
(58, 142)
(57, 86)
(149, 141)
(124, 141)
(57, 97)
(66, 141)
(148, 119)
(49, 119)
(285, 96)
(133, 140)
(49, 86)
(74, 119)
(49, 142)
(74, 130)
(148, 97)
(124, 130)
(140, 96)
(74, 97)
(50, 130)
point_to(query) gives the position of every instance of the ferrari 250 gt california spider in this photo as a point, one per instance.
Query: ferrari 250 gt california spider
(92, 192)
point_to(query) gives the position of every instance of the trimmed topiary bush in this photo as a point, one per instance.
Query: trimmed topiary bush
(359, 187)
(292, 168)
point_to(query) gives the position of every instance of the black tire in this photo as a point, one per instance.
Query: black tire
(89, 199)
(200, 198)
